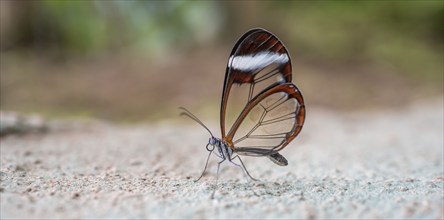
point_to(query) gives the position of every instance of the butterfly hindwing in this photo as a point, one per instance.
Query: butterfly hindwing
(269, 122)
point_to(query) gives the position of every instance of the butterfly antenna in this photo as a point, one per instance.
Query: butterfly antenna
(190, 115)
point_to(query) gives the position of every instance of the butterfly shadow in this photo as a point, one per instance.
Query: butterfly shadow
(239, 189)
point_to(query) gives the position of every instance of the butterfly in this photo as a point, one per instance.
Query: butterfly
(271, 112)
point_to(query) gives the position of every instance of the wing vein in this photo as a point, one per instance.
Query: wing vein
(267, 75)
(258, 124)
(272, 121)
(263, 42)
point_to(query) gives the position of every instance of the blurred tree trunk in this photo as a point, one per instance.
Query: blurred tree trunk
(15, 22)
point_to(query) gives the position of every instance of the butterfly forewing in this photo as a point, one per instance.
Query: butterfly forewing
(263, 110)
(258, 61)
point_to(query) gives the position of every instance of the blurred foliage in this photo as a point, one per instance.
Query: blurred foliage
(406, 34)
(101, 26)
(354, 51)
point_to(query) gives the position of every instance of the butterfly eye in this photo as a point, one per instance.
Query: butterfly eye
(212, 141)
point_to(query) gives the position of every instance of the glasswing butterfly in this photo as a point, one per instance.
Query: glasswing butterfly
(272, 113)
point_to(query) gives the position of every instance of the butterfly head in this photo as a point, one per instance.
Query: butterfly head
(212, 141)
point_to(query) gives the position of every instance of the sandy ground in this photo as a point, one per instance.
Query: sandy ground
(386, 164)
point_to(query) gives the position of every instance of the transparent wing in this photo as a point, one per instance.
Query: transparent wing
(259, 61)
(269, 122)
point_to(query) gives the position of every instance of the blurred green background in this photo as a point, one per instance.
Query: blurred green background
(131, 61)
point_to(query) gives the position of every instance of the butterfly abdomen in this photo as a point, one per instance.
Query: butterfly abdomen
(278, 159)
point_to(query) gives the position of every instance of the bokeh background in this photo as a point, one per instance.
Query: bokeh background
(133, 61)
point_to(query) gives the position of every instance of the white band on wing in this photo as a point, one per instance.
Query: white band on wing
(256, 61)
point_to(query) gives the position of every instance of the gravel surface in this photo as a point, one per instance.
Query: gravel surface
(385, 164)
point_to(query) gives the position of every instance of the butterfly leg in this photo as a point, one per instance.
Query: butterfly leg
(242, 167)
(217, 155)
(206, 164)
(217, 178)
